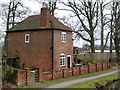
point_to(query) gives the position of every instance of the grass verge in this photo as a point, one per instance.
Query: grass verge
(55, 81)
(90, 84)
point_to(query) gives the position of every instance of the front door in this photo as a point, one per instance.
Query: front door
(69, 61)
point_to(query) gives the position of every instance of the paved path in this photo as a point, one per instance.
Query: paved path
(68, 83)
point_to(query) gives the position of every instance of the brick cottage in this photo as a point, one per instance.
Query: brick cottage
(42, 48)
(41, 41)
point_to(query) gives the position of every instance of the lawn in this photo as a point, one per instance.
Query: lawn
(90, 84)
(55, 81)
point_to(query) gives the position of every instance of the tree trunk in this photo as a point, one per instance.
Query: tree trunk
(111, 43)
(102, 29)
(92, 44)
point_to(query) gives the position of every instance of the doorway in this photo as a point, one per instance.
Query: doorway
(68, 61)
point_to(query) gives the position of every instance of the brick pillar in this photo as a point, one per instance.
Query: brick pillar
(27, 76)
(108, 64)
(53, 74)
(95, 67)
(73, 71)
(18, 77)
(88, 68)
(79, 70)
(63, 73)
(40, 74)
(102, 65)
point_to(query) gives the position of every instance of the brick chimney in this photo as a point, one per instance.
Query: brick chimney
(45, 16)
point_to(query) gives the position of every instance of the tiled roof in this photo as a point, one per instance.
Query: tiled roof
(33, 22)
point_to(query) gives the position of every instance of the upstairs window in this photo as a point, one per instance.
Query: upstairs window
(63, 37)
(27, 38)
(62, 59)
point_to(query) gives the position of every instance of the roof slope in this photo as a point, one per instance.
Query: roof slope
(33, 22)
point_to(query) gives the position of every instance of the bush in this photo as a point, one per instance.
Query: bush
(8, 74)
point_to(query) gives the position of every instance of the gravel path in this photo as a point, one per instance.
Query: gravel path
(68, 83)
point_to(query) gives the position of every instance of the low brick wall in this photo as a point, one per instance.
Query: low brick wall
(108, 64)
(76, 71)
(105, 65)
(47, 76)
(67, 72)
(99, 66)
(92, 68)
(84, 69)
(22, 77)
(58, 74)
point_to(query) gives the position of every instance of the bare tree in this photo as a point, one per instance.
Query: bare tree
(115, 26)
(12, 12)
(103, 22)
(111, 35)
(89, 12)
(52, 4)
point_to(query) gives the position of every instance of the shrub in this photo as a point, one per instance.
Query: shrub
(8, 74)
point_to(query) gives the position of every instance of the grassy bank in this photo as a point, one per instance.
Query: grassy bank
(90, 84)
(51, 82)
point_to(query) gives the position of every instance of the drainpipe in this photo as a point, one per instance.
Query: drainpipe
(52, 51)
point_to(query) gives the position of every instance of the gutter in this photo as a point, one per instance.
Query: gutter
(38, 29)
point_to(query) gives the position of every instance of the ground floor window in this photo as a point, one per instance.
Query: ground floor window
(62, 59)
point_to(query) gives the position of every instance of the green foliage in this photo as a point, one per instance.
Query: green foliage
(13, 63)
(8, 74)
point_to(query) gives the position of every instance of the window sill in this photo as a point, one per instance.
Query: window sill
(62, 65)
(63, 41)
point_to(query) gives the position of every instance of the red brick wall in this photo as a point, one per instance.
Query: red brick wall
(68, 72)
(92, 68)
(108, 65)
(21, 74)
(47, 76)
(84, 69)
(58, 74)
(22, 77)
(105, 65)
(99, 66)
(61, 47)
(76, 71)
(36, 53)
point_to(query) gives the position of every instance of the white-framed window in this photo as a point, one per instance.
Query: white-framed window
(27, 38)
(63, 37)
(62, 59)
